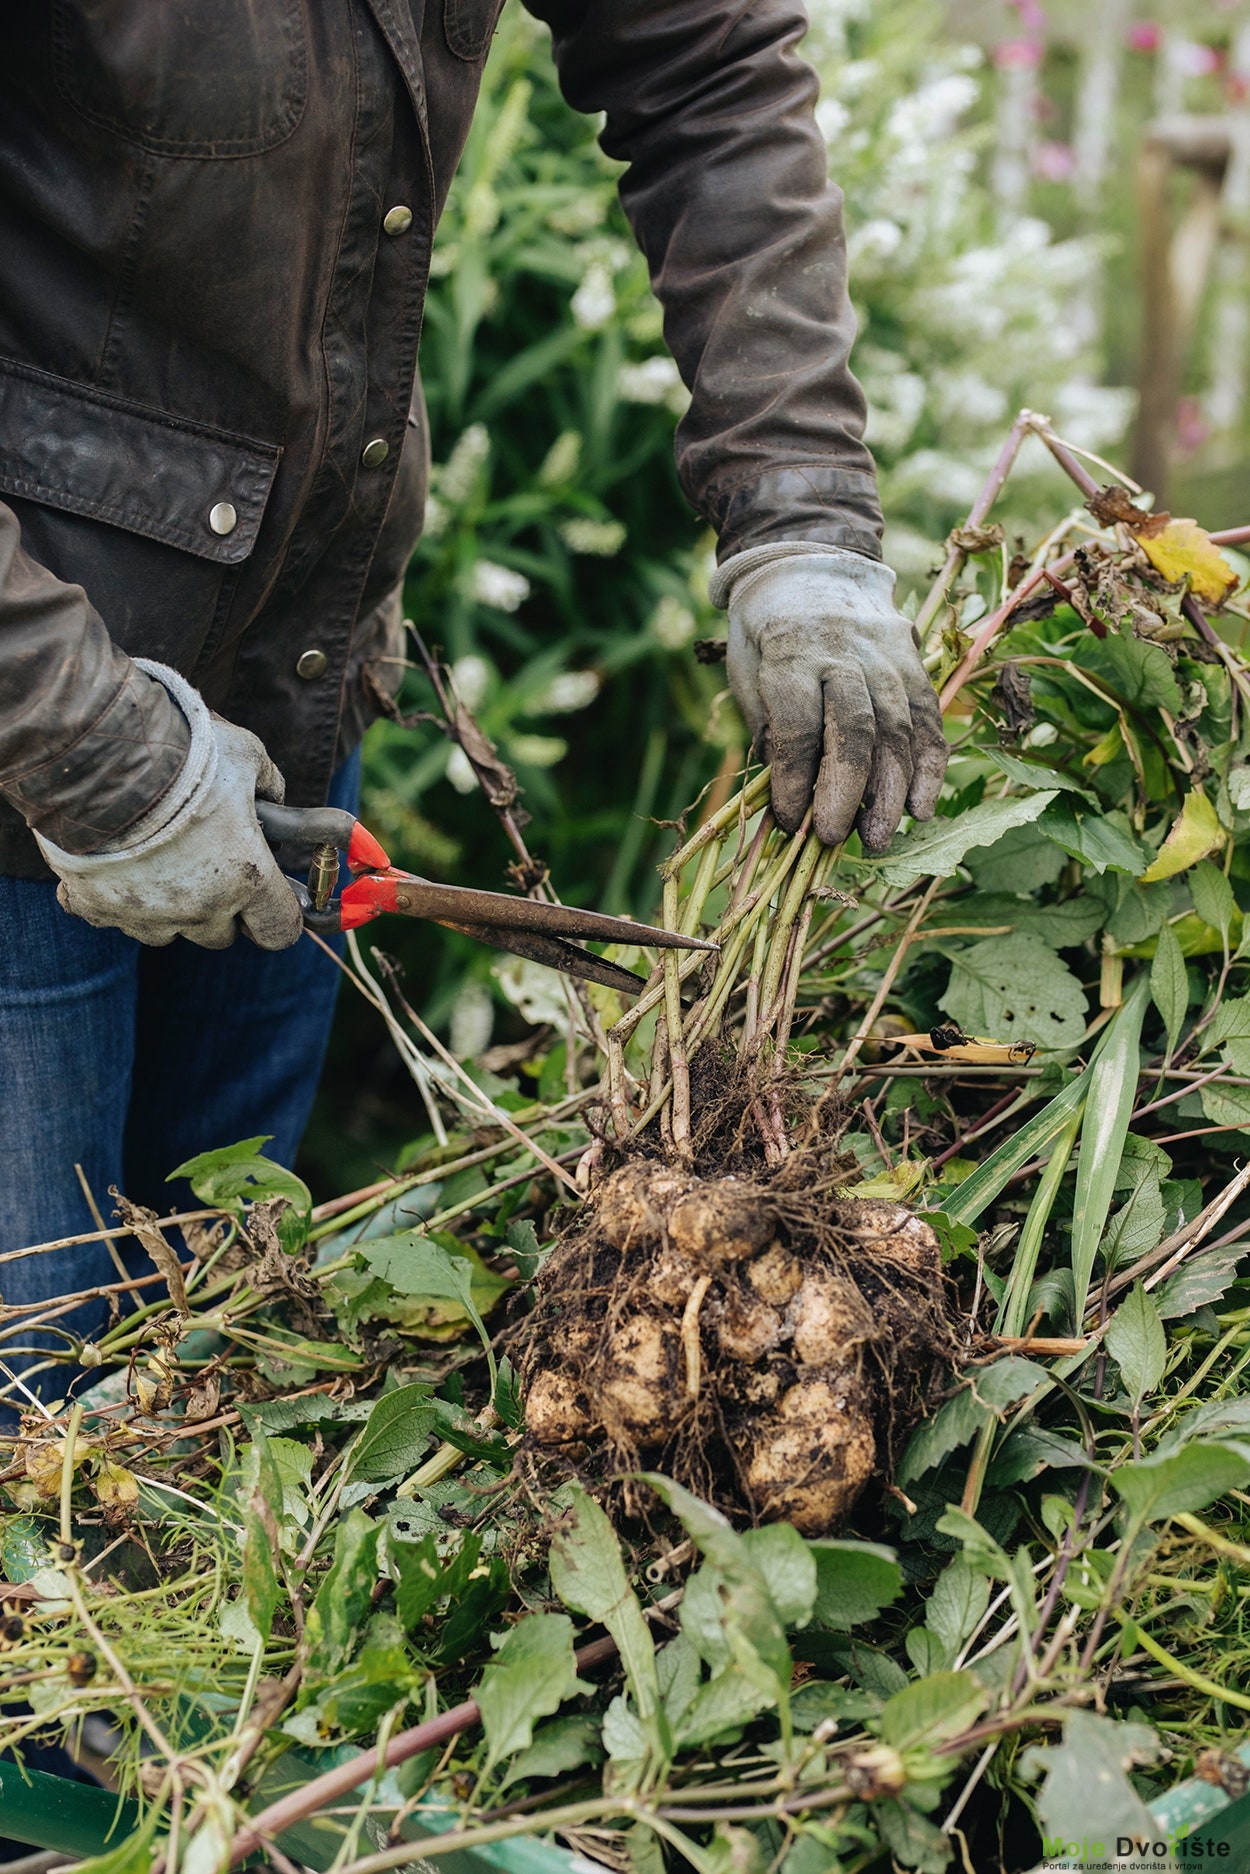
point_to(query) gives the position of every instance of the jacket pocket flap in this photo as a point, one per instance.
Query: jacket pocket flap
(91, 453)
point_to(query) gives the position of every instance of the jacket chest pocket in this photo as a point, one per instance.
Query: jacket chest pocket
(202, 78)
(469, 26)
(152, 515)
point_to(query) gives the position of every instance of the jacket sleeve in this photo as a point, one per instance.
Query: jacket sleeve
(88, 742)
(727, 191)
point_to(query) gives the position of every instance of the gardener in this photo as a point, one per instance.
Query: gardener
(216, 234)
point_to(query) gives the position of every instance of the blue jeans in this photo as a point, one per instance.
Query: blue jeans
(127, 1061)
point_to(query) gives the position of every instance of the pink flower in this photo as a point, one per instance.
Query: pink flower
(1016, 52)
(1192, 428)
(1145, 36)
(1053, 162)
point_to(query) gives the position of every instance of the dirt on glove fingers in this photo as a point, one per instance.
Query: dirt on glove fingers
(753, 1334)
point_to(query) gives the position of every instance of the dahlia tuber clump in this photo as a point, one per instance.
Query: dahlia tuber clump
(757, 1338)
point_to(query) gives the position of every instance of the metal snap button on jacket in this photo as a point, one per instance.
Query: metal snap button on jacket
(224, 518)
(311, 664)
(375, 453)
(397, 220)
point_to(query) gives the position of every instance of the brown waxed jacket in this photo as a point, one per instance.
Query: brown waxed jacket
(212, 443)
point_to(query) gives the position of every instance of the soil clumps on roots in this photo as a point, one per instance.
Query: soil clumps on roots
(753, 1334)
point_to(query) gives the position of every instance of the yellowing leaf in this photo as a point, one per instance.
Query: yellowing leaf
(43, 1467)
(1108, 749)
(117, 1490)
(1196, 833)
(1181, 547)
(896, 1183)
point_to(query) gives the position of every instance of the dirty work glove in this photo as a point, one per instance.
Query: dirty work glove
(196, 865)
(829, 678)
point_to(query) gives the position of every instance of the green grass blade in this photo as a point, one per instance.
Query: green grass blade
(1112, 1078)
(1013, 1318)
(981, 1187)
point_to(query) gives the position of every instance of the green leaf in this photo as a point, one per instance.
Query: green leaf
(589, 1576)
(1112, 1089)
(425, 1578)
(1140, 1161)
(913, 1841)
(1087, 1793)
(344, 1598)
(1139, 672)
(752, 1621)
(1226, 1106)
(1171, 1483)
(280, 1468)
(1213, 897)
(1218, 1418)
(286, 1415)
(934, 849)
(527, 1253)
(1201, 1282)
(1022, 860)
(1097, 839)
(1032, 774)
(979, 1546)
(380, 1678)
(261, 1584)
(854, 1581)
(788, 1566)
(1136, 1342)
(419, 1265)
(395, 1437)
(1062, 926)
(935, 1709)
(1015, 989)
(563, 1745)
(960, 1596)
(506, 1397)
(990, 1392)
(1230, 1028)
(724, 1703)
(1136, 1227)
(238, 1175)
(529, 1678)
(1169, 982)
(135, 1854)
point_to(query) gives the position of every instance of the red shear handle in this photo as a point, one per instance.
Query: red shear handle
(322, 826)
(366, 897)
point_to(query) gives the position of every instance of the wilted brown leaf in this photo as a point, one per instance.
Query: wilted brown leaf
(1113, 504)
(496, 776)
(144, 1224)
(985, 539)
(203, 1399)
(1012, 701)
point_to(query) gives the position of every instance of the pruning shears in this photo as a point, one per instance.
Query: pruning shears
(528, 927)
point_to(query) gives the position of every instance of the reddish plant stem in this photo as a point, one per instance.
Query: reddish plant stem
(983, 1125)
(956, 556)
(322, 1790)
(991, 628)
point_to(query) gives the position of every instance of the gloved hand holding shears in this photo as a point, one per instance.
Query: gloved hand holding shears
(525, 926)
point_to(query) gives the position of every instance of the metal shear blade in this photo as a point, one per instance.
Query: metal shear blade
(527, 927)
